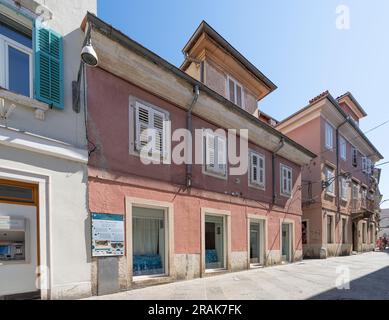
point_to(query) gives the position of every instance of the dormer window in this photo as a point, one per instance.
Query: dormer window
(235, 91)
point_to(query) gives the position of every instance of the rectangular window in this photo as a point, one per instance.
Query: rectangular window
(16, 60)
(257, 170)
(344, 230)
(235, 92)
(215, 242)
(364, 164)
(330, 222)
(150, 129)
(215, 151)
(149, 245)
(343, 148)
(329, 176)
(364, 197)
(354, 157)
(286, 181)
(329, 136)
(343, 189)
(364, 232)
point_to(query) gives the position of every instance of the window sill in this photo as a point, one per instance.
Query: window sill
(17, 99)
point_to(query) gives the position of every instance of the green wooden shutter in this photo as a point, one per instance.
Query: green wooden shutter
(49, 82)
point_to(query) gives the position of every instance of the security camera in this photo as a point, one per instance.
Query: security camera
(89, 56)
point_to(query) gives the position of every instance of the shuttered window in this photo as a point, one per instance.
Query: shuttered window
(286, 181)
(150, 127)
(354, 157)
(49, 80)
(343, 189)
(257, 169)
(215, 154)
(343, 148)
(329, 136)
(235, 92)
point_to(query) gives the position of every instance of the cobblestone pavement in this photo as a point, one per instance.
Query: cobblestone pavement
(368, 276)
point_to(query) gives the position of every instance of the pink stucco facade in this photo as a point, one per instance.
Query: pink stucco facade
(116, 174)
(318, 205)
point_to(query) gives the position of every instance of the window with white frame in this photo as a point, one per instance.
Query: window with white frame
(235, 92)
(257, 170)
(329, 136)
(364, 164)
(364, 197)
(16, 60)
(354, 156)
(215, 153)
(343, 148)
(286, 181)
(150, 130)
(369, 164)
(343, 189)
(329, 178)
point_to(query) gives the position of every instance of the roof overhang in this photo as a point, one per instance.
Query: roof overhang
(130, 61)
(353, 104)
(330, 109)
(205, 29)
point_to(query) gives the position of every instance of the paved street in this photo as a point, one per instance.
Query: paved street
(310, 279)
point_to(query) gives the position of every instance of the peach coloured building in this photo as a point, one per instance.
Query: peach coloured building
(188, 221)
(340, 187)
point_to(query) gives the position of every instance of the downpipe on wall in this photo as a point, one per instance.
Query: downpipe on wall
(189, 126)
(274, 155)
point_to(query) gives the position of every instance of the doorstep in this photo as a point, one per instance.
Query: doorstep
(151, 281)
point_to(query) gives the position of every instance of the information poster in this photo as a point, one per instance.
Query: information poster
(107, 235)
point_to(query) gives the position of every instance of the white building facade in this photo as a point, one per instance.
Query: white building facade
(44, 220)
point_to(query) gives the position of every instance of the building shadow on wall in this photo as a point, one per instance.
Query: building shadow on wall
(374, 286)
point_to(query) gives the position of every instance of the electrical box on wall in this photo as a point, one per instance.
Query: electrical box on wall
(12, 239)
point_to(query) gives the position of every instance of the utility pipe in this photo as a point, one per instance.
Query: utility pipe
(189, 166)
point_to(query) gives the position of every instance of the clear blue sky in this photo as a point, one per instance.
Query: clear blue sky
(294, 43)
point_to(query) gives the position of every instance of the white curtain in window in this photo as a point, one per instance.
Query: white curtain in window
(146, 236)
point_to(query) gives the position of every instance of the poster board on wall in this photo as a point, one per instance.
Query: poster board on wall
(107, 235)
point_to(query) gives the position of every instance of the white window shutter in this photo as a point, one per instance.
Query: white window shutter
(210, 151)
(254, 168)
(159, 127)
(261, 171)
(221, 155)
(143, 119)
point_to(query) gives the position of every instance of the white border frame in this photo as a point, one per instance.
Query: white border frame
(5, 43)
(227, 240)
(263, 221)
(292, 235)
(282, 193)
(168, 208)
(250, 183)
(44, 222)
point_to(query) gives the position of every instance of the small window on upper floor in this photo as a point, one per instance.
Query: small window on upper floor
(235, 91)
(215, 154)
(343, 148)
(31, 61)
(257, 170)
(16, 59)
(354, 157)
(150, 130)
(286, 181)
(329, 136)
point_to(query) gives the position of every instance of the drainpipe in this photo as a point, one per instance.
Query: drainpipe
(337, 167)
(274, 154)
(189, 166)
